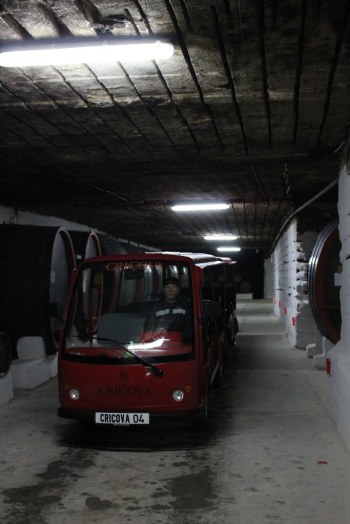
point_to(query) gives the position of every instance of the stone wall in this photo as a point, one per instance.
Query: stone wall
(268, 278)
(291, 302)
(339, 355)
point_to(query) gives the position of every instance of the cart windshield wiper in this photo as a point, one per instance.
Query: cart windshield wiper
(119, 345)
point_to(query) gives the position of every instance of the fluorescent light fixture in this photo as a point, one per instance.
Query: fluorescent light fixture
(228, 248)
(200, 207)
(220, 237)
(70, 51)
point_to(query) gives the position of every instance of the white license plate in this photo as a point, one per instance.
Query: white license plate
(121, 419)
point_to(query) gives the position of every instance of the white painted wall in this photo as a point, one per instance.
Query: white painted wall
(284, 263)
(289, 262)
(339, 355)
(268, 278)
(290, 290)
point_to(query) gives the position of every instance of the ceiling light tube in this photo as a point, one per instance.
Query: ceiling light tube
(220, 237)
(228, 248)
(82, 50)
(200, 207)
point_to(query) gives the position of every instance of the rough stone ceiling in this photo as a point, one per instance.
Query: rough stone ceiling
(252, 109)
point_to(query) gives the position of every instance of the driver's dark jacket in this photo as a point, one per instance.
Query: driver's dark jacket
(171, 316)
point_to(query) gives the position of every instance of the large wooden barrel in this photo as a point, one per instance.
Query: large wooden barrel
(114, 246)
(85, 244)
(5, 353)
(35, 267)
(111, 246)
(323, 282)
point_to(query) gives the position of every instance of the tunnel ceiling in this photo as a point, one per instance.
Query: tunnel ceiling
(252, 109)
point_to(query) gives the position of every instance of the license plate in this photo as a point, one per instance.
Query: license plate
(121, 419)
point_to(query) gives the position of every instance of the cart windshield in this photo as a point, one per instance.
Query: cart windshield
(127, 309)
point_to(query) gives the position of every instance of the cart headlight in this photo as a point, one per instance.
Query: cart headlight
(178, 395)
(74, 394)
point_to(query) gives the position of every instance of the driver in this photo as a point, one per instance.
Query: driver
(172, 312)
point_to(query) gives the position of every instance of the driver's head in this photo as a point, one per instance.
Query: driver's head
(171, 288)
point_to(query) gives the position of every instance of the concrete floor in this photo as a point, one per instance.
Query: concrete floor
(272, 454)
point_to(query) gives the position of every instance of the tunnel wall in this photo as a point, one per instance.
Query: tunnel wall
(290, 290)
(268, 278)
(339, 355)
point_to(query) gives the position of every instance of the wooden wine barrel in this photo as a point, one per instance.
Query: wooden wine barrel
(86, 244)
(131, 248)
(324, 268)
(35, 267)
(5, 353)
(113, 246)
